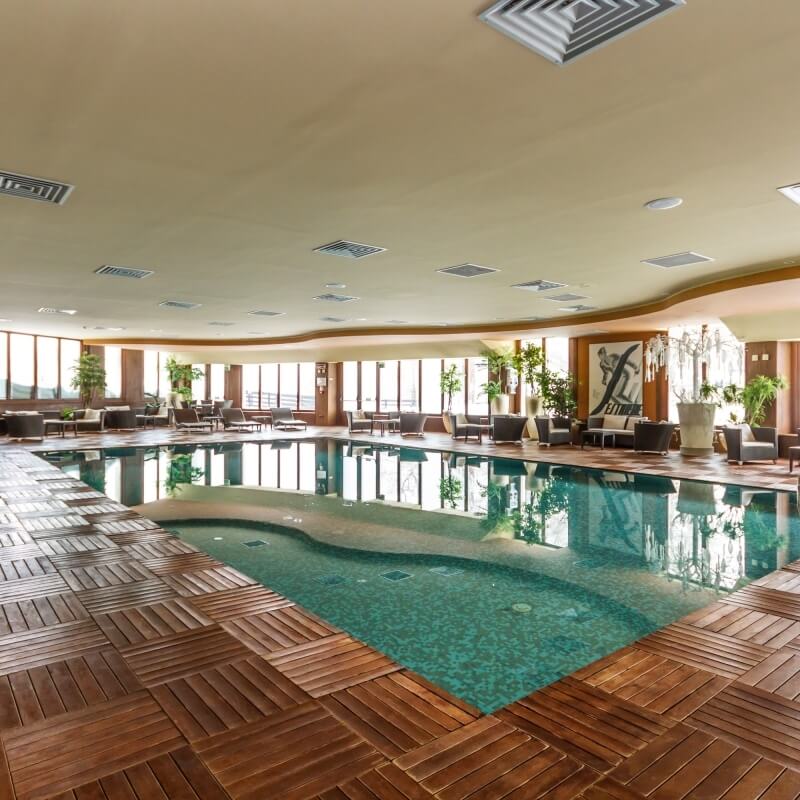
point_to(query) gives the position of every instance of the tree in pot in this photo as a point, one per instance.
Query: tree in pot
(756, 397)
(529, 364)
(88, 377)
(181, 377)
(498, 362)
(449, 384)
(498, 400)
(558, 395)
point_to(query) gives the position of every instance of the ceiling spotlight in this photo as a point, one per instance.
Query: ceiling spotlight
(335, 285)
(663, 203)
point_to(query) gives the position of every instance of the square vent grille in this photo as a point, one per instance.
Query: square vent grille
(68, 311)
(221, 324)
(677, 260)
(563, 30)
(332, 319)
(182, 304)
(468, 270)
(263, 313)
(34, 188)
(347, 249)
(566, 298)
(335, 298)
(578, 307)
(539, 286)
(123, 272)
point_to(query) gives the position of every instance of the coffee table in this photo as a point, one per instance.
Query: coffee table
(794, 455)
(594, 434)
(62, 425)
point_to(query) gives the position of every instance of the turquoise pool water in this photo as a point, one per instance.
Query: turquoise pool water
(490, 577)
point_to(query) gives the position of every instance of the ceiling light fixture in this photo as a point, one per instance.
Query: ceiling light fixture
(69, 311)
(792, 192)
(336, 298)
(184, 305)
(265, 313)
(576, 308)
(566, 298)
(397, 322)
(663, 203)
(221, 324)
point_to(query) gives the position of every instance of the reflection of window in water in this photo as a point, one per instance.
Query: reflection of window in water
(388, 474)
(556, 530)
(477, 481)
(350, 478)
(113, 490)
(409, 482)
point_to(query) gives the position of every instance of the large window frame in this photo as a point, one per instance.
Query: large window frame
(62, 370)
(272, 382)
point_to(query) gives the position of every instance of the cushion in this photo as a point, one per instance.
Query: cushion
(631, 421)
(118, 408)
(359, 415)
(92, 415)
(615, 421)
(747, 433)
(461, 420)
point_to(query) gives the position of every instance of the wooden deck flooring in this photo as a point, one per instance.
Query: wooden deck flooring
(132, 666)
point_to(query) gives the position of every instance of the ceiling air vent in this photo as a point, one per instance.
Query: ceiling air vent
(182, 304)
(263, 313)
(349, 249)
(576, 308)
(677, 260)
(539, 286)
(123, 272)
(68, 311)
(222, 324)
(332, 319)
(566, 298)
(335, 298)
(34, 188)
(468, 270)
(563, 30)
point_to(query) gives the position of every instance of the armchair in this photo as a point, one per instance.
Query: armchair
(751, 444)
(358, 425)
(550, 434)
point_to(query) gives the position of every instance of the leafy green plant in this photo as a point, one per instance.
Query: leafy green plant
(151, 400)
(180, 471)
(492, 390)
(558, 393)
(450, 383)
(88, 377)
(450, 491)
(181, 376)
(497, 360)
(757, 395)
(708, 393)
(529, 363)
(67, 413)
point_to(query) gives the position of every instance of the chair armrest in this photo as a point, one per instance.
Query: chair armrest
(767, 435)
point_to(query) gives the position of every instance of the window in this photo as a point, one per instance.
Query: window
(368, 385)
(350, 385)
(70, 353)
(164, 382)
(21, 353)
(478, 402)
(388, 388)
(250, 385)
(151, 383)
(458, 397)
(46, 368)
(308, 374)
(409, 385)
(431, 392)
(3, 364)
(113, 367)
(199, 384)
(288, 375)
(217, 382)
(269, 386)
(557, 353)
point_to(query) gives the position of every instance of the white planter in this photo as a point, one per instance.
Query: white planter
(697, 428)
(446, 422)
(500, 404)
(533, 408)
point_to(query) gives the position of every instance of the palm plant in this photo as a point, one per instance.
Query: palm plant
(529, 363)
(449, 384)
(88, 377)
(181, 376)
(757, 395)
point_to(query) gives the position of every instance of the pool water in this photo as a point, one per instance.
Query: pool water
(490, 577)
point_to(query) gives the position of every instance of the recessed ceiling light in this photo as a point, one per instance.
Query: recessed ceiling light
(104, 328)
(257, 333)
(335, 285)
(539, 285)
(397, 322)
(677, 260)
(217, 324)
(360, 319)
(69, 311)
(792, 192)
(156, 330)
(663, 203)
(333, 319)
(116, 329)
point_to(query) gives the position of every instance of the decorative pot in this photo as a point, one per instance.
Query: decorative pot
(533, 408)
(697, 428)
(499, 404)
(446, 422)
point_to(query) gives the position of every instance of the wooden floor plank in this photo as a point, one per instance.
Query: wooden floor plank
(276, 630)
(778, 673)
(40, 612)
(744, 623)
(101, 575)
(767, 601)
(204, 581)
(239, 602)
(183, 562)
(129, 595)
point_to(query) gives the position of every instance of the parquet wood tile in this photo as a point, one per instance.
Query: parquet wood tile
(98, 576)
(177, 774)
(32, 648)
(42, 692)
(181, 654)
(609, 789)
(276, 630)
(89, 558)
(14, 552)
(239, 602)
(396, 713)
(136, 537)
(713, 652)
(759, 721)
(28, 588)
(779, 673)
(62, 525)
(490, 758)
(128, 595)
(782, 579)
(184, 562)
(205, 581)
(12, 538)
(768, 601)
(227, 696)
(292, 755)
(143, 623)
(128, 526)
(62, 753)
(594, 727)
(62, 545)
(688, 763)
(659, 684)
(151, 546)
(28, 615)
(28, 567)
(327, 665)
(743, 623)
(384, 783)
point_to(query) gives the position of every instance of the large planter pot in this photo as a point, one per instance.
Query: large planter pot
(697, 428)
(533, 408)
(446, 422)
(500, 404)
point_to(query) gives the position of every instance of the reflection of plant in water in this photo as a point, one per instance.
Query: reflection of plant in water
(181, 470)
(450, 491)
(549, 501)
(93, 473)
(497, 516)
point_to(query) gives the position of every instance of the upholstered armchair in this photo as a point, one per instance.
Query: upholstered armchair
(550, 434)
(412, 424)
(751, 444)
(25, 426)
(508, 428)
(356, 424)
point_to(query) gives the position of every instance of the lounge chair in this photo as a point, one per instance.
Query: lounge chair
(187, 419)
(550, 434)
(751, 444)
(467, 426)
(284, 420)
(358, 424)
(412, 424)
(508, 428)
(233, 419)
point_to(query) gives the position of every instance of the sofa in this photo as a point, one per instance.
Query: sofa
(119, 418)
(551, 432)
(751, 444)
(621, 426)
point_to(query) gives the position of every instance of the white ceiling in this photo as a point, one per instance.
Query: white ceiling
(219, 143)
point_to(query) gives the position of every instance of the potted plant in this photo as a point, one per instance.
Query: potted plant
(181, 377)
(88, 377)
(756, 396)
(498, 400)
(498, 362)
(67, 413)
(449, 384)
(529, 364)
(558, 395)
(450, 491)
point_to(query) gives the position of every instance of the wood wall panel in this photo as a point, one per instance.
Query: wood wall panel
(133, 376)
(777, 358)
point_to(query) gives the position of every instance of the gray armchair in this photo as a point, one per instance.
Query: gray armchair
(25, 426)
(358, 425)
(412, 424)
(467, 426)
(508, 428)
(550, 434)
(120, 418)
(751, 444)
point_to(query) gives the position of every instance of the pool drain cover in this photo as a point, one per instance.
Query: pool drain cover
(521, 608)
(255, 543)
(396, 575)
(330, 580)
